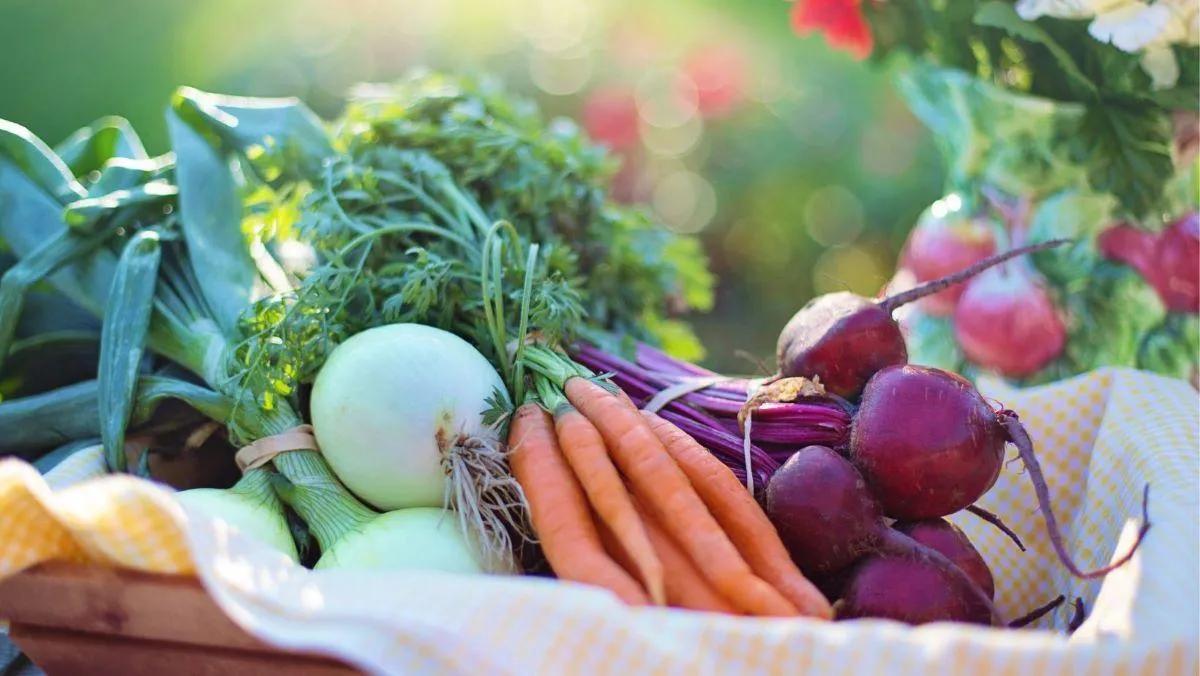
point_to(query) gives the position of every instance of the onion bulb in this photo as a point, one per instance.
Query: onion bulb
(250, 507)
(421, 538)
(398, 413)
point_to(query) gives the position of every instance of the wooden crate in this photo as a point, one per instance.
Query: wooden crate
(71, 619)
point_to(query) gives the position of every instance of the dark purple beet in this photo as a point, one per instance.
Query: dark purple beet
(927, 443)
(843, 338)
(910, 583)
(943, 536)
(820, 505)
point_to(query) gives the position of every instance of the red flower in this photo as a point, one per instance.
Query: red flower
(841, 21)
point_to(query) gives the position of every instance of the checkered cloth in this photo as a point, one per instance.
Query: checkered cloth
(1101, 437)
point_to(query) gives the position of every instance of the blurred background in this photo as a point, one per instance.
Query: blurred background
(800, 169)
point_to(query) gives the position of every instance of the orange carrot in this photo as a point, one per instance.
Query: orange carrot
(586, 453)
(559, 509)
(658, 480)
(685, 586)
(741, 517)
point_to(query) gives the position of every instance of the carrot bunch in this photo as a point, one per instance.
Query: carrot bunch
(625, 500)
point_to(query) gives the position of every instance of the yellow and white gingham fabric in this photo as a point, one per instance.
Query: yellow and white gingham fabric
(1100, 438)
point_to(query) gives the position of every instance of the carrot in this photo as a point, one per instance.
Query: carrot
(585, 451)
(741, 517)
(559, 509)
(666, 490)
(685, 586)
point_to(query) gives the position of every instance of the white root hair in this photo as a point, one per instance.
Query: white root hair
(490, 503)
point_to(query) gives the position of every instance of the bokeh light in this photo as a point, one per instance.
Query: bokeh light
(561, 73)
(685, 201)
(666, 97)
(800, 170)
(833, 216)
(849, 268)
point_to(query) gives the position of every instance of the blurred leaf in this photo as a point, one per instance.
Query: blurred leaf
(210, 211)
(60, 251)
(30, 216)
(69, 413)
(83, 214)
(49, 361)
(120, 173)
(27, 154)
(1172, 349)
(1108, 313)
(996, 14)
(676, 338)
(280, 137)
(89, 148)
(1127, 152)
(931, 341)
(1076, 215)
(49, 312)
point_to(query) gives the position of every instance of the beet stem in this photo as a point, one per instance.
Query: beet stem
(1036, 614)
(933, 286)
(1020, 438)
(995, 521)
(1077, 618)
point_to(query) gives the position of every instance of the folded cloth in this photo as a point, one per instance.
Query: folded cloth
(1100, 437)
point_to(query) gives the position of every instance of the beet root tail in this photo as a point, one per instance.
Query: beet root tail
(997, 522)
(933, 286)
(1078, 617)
(1036, 614)
(1020, 438)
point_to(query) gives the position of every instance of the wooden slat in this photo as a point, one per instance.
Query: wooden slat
(120, 603)
(67, 653)
(124, 607)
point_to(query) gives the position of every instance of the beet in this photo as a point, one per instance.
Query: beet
(926, 442)
(1005, 321)
(928, 445)
(910, 583)
(1169, 261)
(1177, 265)
(942, 246)
(820, 505)
(843, 338)
(943, 536)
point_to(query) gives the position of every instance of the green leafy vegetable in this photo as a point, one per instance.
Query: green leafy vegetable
(1076, 215)
(1107, 312)
(1172, 348)
(1003, 15)
(123, 339)
(48, 361)
(1127, 152)
(90, 148)
(428, 214)
(40, 263)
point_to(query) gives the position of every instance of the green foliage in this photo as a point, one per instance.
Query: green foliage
(1172, 347)
(1122, 140)
(429, 212)
(1107, 314)
(1076, 215)
(1127, 152)
(931, 342)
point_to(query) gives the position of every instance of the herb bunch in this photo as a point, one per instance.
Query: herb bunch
(448, 202)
